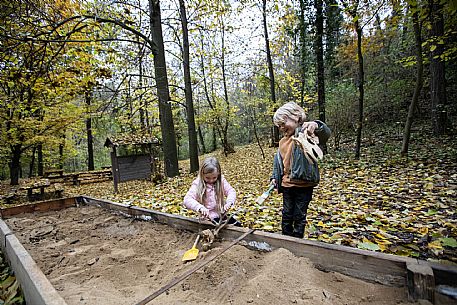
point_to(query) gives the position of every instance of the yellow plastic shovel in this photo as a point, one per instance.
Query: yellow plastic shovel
(192, 253)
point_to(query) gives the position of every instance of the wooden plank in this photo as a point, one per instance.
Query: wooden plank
(94, 180)
(96, 172)
(36, 287)
(445, 295)
(43, 206)
(371, 266)
(134, 177)
(115, 169)
(421, 282)
(53, 173)
(444, 274)
(134, 167)
(133, 159)
(4, 232)
(175, 221)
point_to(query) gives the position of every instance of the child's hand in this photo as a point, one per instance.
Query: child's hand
(273, 181)
(204, 212)
(310, 127)
(225, 208)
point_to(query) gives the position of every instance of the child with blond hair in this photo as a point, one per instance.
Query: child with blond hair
(295, 168)
(210, 193)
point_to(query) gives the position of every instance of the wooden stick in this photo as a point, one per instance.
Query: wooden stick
(189, 272)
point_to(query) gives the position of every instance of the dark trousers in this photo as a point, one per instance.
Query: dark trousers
(295, 206)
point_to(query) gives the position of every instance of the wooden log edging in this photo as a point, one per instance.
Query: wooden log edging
(36, 287)
(42, 206)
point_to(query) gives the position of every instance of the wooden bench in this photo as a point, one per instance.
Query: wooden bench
(57, 189)
(53, 173)
(41, 185)
(92, 176)
(9, 198)
(58, 176)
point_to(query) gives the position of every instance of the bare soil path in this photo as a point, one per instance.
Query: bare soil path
(92, 256)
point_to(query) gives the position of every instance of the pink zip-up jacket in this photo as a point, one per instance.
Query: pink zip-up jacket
(190, 200)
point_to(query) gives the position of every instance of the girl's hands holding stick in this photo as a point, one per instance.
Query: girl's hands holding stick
(204, 212)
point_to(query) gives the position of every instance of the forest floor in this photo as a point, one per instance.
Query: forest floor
(94, 257)
(381, 202)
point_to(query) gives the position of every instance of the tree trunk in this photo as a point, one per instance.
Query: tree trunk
(32, 162)
(61, 147)
(419, 82)
(15, 164)
(40, 160)
(320, 61)
(275, 140)
(90, 141)
(333, 19)
(303, 51)
(140, 80)
(228, 147)
(360, 86)
(214, 142)
(218, 127)
(202, 140)
(166, 118)
(193, 145)
(251, 114)
(437, 70)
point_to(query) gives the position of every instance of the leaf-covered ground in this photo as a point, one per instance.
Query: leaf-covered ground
(381, 202)
(10, 291)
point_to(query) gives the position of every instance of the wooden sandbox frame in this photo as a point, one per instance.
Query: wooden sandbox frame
(420, 278)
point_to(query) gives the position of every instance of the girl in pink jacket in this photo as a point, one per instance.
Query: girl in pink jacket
(210, 194)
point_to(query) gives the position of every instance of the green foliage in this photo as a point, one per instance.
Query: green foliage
(44, 81)
(341, 110)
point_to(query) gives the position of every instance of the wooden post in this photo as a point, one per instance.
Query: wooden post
(421, 281)
(115, 169)
(30, 193)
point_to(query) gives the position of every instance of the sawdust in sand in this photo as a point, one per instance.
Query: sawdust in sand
(94, 257)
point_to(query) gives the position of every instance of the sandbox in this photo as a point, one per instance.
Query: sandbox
(97, 252)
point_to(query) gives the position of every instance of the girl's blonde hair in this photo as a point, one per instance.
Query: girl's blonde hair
(289, 110)
(208, 166)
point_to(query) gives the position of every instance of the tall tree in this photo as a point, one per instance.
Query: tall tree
(419, 77)
(213, 66)
(437, 69)
(192, 132)
(319, 49)
(333, 20)
(352, 10)
(90, 139)
(36, 82)
(228, 147)
(167, 129)
(303, 49)
(271, 74)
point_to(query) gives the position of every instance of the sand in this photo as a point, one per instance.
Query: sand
(92, 256)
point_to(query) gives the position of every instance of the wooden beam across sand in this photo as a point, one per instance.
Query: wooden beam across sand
(419, 277)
